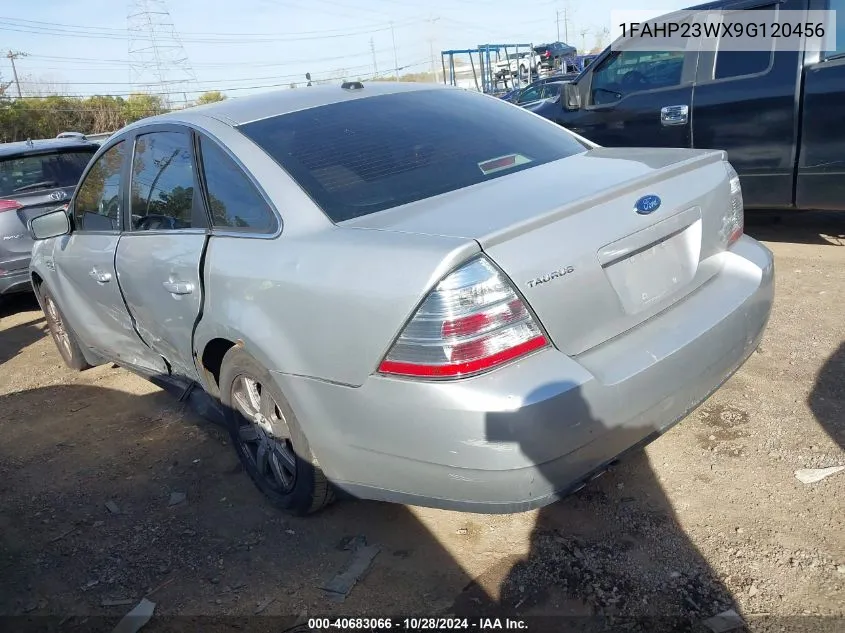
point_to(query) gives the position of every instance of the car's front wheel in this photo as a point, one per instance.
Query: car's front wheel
(63, 336)
(268, 439)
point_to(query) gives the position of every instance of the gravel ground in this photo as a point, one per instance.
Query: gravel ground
(709, 517)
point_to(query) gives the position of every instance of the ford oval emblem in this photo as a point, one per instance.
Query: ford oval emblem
(647, 204)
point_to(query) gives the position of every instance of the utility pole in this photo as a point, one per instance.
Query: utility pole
(395, 58)
(431, 20)
(557, 21)
(12, 57)
(375, 65)
(565, 26)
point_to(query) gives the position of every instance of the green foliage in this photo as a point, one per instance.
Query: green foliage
(212, 96)
(46, 117)
(415, 77)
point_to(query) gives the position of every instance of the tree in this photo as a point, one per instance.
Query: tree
(140, 105)
(212, 96)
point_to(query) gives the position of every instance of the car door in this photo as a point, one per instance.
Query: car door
(636, 98)
(745, 103)
(85, 282)
(158, 258)
(821, 164)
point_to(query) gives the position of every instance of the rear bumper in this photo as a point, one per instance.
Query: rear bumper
(531, 432)
(14, 281)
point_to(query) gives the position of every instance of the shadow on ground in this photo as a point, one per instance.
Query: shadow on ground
(614, 549)
(827, 399)
(800, 227)
(15, 339)
(90, 524)
(18, 337)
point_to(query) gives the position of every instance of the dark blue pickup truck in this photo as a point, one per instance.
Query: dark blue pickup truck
(780, 114)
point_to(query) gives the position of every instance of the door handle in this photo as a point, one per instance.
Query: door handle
(99, 276)
(178, 287)
(674, 115)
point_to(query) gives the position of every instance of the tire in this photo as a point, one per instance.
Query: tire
(257, 413)
(64, 338)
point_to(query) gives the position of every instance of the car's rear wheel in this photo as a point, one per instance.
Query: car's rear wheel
(268, 439)
(63, 336)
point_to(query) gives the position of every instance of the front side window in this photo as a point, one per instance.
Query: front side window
(529, 94)
(36, 172)
(162, 193)
(365, 155)
(629, 72)
(550, 90)
(232, 199)
(98, 204)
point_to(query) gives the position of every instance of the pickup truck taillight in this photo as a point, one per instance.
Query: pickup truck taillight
(733, 221)
(9, 205)
(471, 322)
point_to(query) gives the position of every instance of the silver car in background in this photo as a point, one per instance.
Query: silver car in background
(36, 176)
(390, 297)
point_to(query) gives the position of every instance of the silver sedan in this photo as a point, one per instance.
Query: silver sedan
(389, 296)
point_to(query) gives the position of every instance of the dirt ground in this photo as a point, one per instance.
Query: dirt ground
(709, 517)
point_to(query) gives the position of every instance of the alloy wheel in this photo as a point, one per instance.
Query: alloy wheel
(58, 329)
(263, 433)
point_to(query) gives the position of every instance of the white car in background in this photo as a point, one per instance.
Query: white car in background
(514, 63)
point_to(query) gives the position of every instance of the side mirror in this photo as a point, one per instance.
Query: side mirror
(50, 225)
(570, 96)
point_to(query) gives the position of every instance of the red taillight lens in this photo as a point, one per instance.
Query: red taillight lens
(471, 322)
(10, 205)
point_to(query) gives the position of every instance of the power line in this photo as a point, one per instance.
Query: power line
(120, 63)
(89, 28)
(258, 87)
(247, 39)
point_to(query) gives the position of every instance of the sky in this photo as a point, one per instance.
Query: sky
(82, 47)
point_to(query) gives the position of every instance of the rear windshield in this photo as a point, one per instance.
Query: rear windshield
(365, 155)
(28, 174)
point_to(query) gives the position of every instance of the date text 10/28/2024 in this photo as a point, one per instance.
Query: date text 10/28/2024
(416, 624)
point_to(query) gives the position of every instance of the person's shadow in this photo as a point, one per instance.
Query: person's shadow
(827, 399)
(612, 554)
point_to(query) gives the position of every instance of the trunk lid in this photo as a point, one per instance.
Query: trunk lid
(568, 235)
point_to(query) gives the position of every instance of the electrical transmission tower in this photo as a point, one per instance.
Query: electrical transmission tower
(158, 62)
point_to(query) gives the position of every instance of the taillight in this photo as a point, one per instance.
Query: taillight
(471, 322)
(10, 205)
(733, 222)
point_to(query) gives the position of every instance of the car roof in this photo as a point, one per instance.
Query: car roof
(40, 146)
(240, 110)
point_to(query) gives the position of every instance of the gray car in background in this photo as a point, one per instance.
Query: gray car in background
(35, 177)
(389, 296)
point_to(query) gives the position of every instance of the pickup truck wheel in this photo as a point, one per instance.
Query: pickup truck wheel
(268, 439)
(63, 336)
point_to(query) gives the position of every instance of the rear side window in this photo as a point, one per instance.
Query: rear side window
(97, 205)
(42, 171)
(362, 156)
(232, 199)
(162, 182)
(741, 63)
(839, 7)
